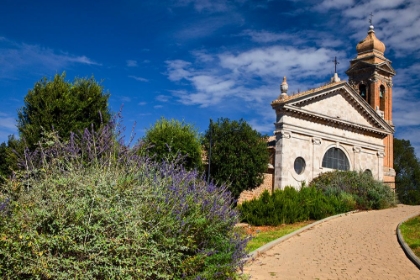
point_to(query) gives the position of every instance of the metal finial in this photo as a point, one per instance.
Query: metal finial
(371, 17)
(335, 64)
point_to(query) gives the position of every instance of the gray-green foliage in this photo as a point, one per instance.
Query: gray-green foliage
(116, 216)
(367, 192)
(168, 139)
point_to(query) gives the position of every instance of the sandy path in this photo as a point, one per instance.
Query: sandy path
(356, 246)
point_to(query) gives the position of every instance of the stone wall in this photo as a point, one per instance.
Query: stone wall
(255, 193)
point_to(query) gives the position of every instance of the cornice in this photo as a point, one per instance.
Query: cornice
(321, 118)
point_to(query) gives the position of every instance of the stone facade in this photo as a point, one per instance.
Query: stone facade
(341, 125)
(333, 116)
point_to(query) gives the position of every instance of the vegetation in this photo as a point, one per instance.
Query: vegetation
(116, 216)
(9, 158)
(168, 139)
(263, 235)
(289, 206)
(63, 107)
(358, 188)
(407, 168)
(329, 194)
(410, 231)
(239, 155)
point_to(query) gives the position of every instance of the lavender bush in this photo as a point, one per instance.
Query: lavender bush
(92, 208)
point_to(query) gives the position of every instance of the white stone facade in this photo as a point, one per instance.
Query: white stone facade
(310, 123)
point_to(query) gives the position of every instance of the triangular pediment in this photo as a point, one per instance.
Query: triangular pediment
(386, 67)
(366, 66)
(340, 105)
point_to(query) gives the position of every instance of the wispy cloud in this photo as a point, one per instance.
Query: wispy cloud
(397, 22)
(162, 98)
(251, 75)
(131, 63)
(141, 79)
(211, 6)
(7, 126)
(17, 57)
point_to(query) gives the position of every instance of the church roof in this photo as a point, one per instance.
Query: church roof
(370, 44)
(286, 98)
(296, 104)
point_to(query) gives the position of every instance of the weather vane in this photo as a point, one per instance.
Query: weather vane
(370, 20)
(335, 64)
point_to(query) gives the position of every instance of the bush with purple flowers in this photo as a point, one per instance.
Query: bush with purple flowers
(92, 208)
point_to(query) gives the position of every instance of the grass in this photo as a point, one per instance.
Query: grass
(265, 234)
(410, 231)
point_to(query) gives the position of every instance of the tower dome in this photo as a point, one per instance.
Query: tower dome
(370, 44)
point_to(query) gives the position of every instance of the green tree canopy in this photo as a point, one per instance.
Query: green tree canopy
(239, 155)
(407, 168)
(62, 106)
(9, 156)
(167, 139)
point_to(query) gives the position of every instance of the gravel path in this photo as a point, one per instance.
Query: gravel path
(361, 245)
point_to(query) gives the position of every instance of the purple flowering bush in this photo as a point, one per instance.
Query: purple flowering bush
(92, 208)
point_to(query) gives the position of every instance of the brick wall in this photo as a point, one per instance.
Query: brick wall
(255, 193)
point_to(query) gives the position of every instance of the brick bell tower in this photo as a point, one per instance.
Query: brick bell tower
(370, 74)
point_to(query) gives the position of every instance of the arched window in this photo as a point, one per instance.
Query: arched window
(362, 90)
(336, 159)
(368, 172)
(382, 98)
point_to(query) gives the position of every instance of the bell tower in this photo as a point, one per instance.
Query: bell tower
(370, 74)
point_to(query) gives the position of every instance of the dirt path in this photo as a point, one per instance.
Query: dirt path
(356, 246)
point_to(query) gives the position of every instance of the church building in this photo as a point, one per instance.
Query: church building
(341, 125)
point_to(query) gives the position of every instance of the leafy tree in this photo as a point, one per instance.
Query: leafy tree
(168, 139)
(9, 156)
(62, 106)
(407, 168)
(238, 156)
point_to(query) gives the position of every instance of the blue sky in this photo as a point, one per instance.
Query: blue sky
(194, 60)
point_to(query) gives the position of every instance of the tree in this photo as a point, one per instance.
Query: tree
(239, 155)
(63, 107)
(9, 157)
(407, 168)
(168, 139)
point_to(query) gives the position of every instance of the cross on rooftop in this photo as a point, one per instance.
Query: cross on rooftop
(335, 64)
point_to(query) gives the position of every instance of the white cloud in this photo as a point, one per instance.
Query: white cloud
(202, 56)
(131, 63)
(211, 6)
(334, 4)
(7, 127)
(126, 99)
(267, 37)
(139, 78)
(16, 57)
(272, 61)
(162, 98)
(397, 22)
(8, 123)
(251, 76)
(142, 103)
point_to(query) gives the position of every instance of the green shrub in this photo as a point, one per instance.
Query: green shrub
(289, 206)
(365, 192)
(116, 216)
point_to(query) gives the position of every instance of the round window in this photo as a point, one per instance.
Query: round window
(299, 165)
